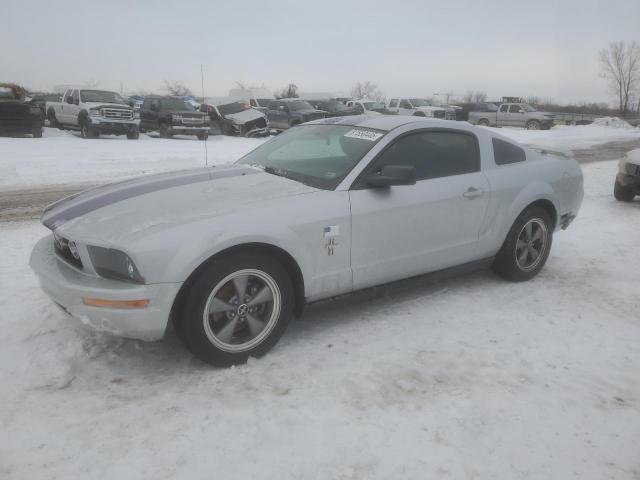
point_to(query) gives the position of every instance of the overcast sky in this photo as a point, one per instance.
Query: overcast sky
(544, 48)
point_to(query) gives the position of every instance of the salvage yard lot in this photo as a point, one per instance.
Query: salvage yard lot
(460, 378)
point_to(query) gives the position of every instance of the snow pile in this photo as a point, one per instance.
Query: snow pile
(470, 377)
(613, 122)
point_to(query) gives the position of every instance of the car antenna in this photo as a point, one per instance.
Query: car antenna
(206, 152)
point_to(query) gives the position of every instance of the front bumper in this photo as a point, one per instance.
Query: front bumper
(188, 130)
(116, 127)
(67, 286)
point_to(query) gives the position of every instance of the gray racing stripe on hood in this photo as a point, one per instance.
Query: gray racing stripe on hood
(58, 213)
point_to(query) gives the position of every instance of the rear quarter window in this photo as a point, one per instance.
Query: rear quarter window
(505, 153)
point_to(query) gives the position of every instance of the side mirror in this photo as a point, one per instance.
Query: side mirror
(391, 175)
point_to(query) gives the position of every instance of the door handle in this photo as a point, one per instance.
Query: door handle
(473, 192)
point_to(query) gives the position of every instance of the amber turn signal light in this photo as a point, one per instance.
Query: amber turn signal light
(101, 302)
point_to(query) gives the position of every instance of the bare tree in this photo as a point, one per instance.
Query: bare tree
(620, 64)
(177, 88)
(366, 89)
(474, 97)
(290, 91)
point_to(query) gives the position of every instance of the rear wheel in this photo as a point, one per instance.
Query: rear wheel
(238, 307)
(483, 122)
(419, 114)
(53, 121)
(527, 246)
(623, 193)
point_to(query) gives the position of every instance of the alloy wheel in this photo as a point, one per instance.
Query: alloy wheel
(531, 244)
(242, 310)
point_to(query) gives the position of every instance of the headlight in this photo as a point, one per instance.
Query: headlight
(95, 112)
(112, 263)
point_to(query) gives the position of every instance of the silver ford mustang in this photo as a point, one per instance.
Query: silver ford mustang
(229, 254)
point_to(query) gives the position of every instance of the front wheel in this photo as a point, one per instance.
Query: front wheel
(134, 134)
(483, 122)
(533, 125)
(238, 307)
(623, 193)
(37, 131)
(527, 246)
(203, 136)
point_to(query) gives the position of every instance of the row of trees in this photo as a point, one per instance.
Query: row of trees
(619, 65)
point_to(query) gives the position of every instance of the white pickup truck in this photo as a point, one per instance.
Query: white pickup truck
(418, 107)
(93, 112)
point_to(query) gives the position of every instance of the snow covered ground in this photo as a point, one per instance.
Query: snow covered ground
(63, 158)
(471, 377)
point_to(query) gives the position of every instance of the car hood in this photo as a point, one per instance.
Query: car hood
(431, 109)
(128, 210)
(106, 105)
(244, 116)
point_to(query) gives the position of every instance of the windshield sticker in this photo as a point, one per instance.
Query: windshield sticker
(363, 134)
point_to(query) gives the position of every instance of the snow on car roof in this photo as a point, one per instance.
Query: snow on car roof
(381, 122)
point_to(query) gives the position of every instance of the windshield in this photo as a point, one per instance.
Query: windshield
(298, 105)
(418, 102)
(101, 96)
(316, 155)
(174, 104)
(373, 105)
(527, 108)
(231, 108)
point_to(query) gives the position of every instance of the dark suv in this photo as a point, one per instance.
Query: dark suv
(172, 116)
(17, 116)
(288, 112)
(334, 108)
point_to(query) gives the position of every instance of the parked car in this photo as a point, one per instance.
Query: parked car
(627, 184)
(370, 107)
(415, 106)
(41, 99)
(18, 116)
(237, 118)
(172, 116)
(229, 254)
(288, 112)
(512, 115)
(190, 99)
(261, 104)
(334, 108)
(93, 112)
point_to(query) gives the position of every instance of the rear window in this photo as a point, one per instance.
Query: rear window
(505, 153)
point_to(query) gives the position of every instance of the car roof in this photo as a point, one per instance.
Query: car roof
(382, 122)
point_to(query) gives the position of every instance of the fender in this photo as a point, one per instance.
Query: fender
(531, 193)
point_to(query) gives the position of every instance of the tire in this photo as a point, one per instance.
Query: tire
(533, 125)
(87, 132)
(483, 122)
(133, 134)
(165, 130)
(516, 261)
(37, 130)
(419, 114)
(202, 136)
(53, 121)
(217, 337)
(622, 193)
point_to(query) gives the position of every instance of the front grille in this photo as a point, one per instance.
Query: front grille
(61, 247)
(118, 113)
(193, 120)
(439, 114)
(257, 123)
(450, 116)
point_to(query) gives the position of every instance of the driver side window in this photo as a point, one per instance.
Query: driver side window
(514, 109)
(433, 154)
(76, 96)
